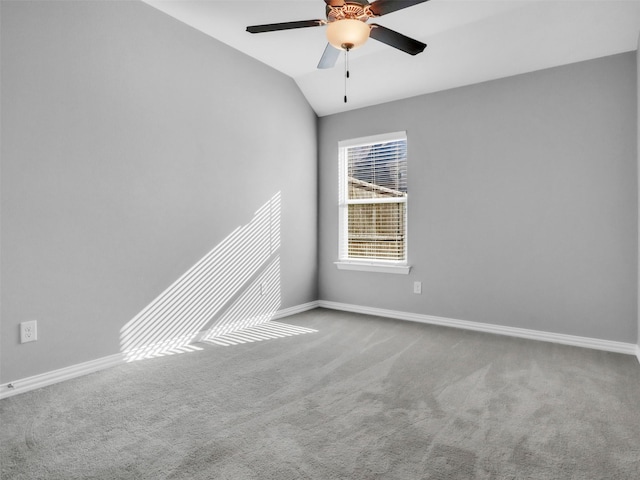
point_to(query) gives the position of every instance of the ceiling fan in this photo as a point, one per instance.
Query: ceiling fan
(347, 27)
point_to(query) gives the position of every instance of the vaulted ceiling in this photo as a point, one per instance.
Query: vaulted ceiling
(469, 41)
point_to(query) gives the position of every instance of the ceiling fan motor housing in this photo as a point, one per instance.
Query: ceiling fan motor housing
(350, 10)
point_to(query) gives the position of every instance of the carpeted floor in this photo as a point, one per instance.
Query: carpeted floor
(362, 398)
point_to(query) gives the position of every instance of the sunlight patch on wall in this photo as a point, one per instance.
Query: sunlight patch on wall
(257, 304)
(224, 280)
(258, 333)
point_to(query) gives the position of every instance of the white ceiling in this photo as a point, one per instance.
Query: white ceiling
(469, 41)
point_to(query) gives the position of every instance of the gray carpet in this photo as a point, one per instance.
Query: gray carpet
(363, 398)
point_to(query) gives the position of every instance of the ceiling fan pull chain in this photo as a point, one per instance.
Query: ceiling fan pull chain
(346, 72)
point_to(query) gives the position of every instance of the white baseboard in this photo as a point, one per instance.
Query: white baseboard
(576, 341)
(287, 312)
(49, 378)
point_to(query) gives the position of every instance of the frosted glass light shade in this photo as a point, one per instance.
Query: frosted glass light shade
(347, 33)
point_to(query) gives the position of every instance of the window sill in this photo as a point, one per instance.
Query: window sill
(374, 267)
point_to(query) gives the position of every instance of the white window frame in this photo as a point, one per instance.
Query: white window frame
(367, 265)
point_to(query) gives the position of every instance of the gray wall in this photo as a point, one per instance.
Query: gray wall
(132, 145)
(523, 206)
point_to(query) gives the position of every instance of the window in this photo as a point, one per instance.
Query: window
(373, 203)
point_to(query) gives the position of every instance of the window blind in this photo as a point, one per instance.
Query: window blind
(374, 199)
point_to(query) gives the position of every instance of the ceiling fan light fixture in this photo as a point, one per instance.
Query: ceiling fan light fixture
(348, 33)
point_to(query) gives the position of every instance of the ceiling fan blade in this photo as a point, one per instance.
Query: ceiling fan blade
(329, 57)
(273, 27)
(396, 40)
(382, 7)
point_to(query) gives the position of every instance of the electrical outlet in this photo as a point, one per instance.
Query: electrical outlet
(417, 287)
(29, 331)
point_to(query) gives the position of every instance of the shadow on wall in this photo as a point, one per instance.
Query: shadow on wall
(234, 287)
